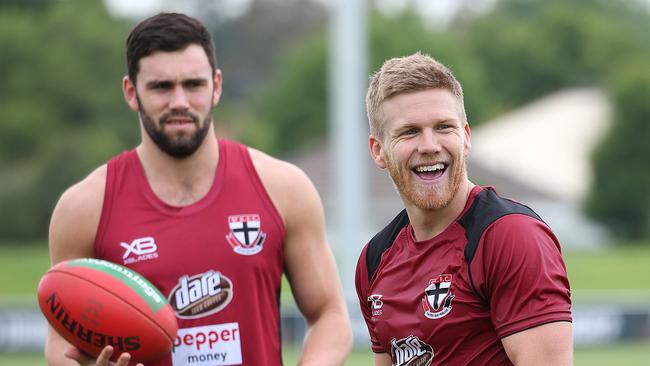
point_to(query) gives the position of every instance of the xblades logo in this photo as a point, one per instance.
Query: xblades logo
(377, 304)
(140, 249)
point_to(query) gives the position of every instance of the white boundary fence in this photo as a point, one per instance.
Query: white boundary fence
(23, 328)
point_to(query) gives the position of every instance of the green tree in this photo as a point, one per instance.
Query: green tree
(621, 191)
(531, 48)
(291, 110)
(62, 108)
(519, 51)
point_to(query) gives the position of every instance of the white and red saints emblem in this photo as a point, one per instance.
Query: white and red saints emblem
(437, 297)
(246, 236)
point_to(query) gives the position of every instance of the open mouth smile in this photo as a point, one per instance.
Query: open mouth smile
(430, 171)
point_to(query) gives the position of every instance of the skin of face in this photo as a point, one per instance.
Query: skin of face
(424, 146)
(174, 97)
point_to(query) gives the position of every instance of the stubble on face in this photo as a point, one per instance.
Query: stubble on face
(427, 196)
(177, 146)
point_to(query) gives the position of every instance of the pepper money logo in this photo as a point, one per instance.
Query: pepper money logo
(201, 295)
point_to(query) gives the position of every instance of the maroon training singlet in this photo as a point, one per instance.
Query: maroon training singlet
(219, 261)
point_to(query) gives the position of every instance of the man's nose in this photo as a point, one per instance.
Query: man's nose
(179, 100)
(429, 142)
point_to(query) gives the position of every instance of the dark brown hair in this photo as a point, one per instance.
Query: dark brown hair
(166, 32)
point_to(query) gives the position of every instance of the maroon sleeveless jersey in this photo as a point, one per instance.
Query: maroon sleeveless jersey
(219, 260)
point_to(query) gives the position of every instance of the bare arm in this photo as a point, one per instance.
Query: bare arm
(72, 235)
(383, 359)
(548, 344)
(310, 265)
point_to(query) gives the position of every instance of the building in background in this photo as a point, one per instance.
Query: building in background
(539, 154)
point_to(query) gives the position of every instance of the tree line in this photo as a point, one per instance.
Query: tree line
(62, 62)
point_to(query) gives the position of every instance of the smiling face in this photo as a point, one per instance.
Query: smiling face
(174, 96)
(424, 145)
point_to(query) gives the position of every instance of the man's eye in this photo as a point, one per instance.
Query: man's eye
(161, 86)
(193, 84)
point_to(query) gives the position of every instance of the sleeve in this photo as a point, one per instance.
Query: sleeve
(523, 275)
(362, 285)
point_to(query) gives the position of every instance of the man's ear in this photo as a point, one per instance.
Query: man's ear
(217, 82)
(130, 94)
(468, 142)
(376, 150)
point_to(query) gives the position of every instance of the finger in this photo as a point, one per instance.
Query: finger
(124, 359)
(105, 356)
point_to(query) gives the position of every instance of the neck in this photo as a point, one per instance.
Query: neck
(180, 182)
(429, 223)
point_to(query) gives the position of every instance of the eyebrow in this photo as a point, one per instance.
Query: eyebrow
(158, 83)
(167, 83)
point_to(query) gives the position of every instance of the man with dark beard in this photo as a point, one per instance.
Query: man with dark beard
(462, 276)
(212, 223)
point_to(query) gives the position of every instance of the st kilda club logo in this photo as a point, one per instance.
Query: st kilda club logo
(437, 297)
(246, 236)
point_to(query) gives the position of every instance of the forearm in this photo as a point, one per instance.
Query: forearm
(328, 340)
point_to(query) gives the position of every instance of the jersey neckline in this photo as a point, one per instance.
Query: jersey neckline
(172, 210)
(449, 230)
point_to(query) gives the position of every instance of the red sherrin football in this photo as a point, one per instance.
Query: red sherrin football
(93, 303)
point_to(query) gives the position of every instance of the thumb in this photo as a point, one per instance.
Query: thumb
(75, 354)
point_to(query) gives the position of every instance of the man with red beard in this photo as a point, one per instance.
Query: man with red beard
(462, 276)
(213, 224)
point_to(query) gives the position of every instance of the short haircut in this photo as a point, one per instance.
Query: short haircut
(408, 74)
(166, 32)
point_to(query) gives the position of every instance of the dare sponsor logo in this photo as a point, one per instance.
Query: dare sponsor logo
(411, 351)
(217, 344)
(201, 295)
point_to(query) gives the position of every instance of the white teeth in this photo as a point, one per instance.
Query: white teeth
(430, 168)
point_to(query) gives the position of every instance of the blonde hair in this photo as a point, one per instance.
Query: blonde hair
(408, 74)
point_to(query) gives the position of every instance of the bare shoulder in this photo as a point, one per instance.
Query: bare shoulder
(289, 187)
(276, 172)
(76, 217)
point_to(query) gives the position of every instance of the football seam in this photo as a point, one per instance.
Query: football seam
(121, 299)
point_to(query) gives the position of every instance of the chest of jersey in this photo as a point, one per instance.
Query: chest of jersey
(241, 246)
(218, 261)
(422, 301)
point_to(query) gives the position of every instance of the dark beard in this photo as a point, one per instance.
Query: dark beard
(180, 147)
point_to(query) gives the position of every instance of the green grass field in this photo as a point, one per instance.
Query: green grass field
(626, 354)
(22, 267)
